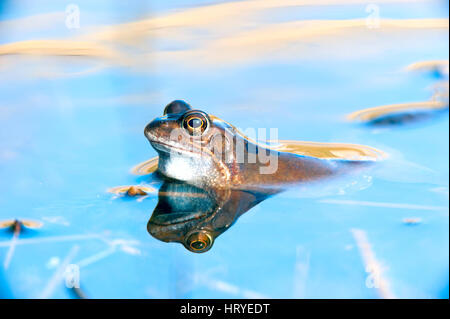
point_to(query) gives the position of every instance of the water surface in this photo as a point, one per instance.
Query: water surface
(72, 127)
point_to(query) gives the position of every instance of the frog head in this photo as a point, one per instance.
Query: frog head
(193, 146)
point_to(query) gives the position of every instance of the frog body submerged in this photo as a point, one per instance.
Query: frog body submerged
(203, 150)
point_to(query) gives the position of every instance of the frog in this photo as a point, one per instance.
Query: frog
(202, 150)
(212, 173)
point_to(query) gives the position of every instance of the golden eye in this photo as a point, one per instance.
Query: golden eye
(195, 124)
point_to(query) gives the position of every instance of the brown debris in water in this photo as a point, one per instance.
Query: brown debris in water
(17, 224)
(408, 112)
(412, 221)
(438, 66)
(378, 112)
(135, 191)
(146, 167)
(132, 190)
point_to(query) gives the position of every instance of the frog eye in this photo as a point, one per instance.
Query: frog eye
(195, 123)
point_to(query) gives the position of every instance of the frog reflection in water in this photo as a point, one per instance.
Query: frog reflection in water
(194, 216)
(214, 173)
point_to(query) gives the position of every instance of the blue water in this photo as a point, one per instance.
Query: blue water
(65, 140)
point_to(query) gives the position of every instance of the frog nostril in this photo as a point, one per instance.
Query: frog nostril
(155, 125)
(149, 128)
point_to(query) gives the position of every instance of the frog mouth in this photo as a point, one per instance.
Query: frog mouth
(173, 219)
(171, 148)
(169, 227)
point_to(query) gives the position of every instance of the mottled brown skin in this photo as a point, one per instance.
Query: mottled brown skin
(200, 160)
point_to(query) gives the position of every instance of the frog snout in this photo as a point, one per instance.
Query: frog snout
(149, 128)
(152, 129)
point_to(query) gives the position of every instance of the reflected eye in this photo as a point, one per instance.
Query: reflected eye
(199, 242)
(195, 123)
